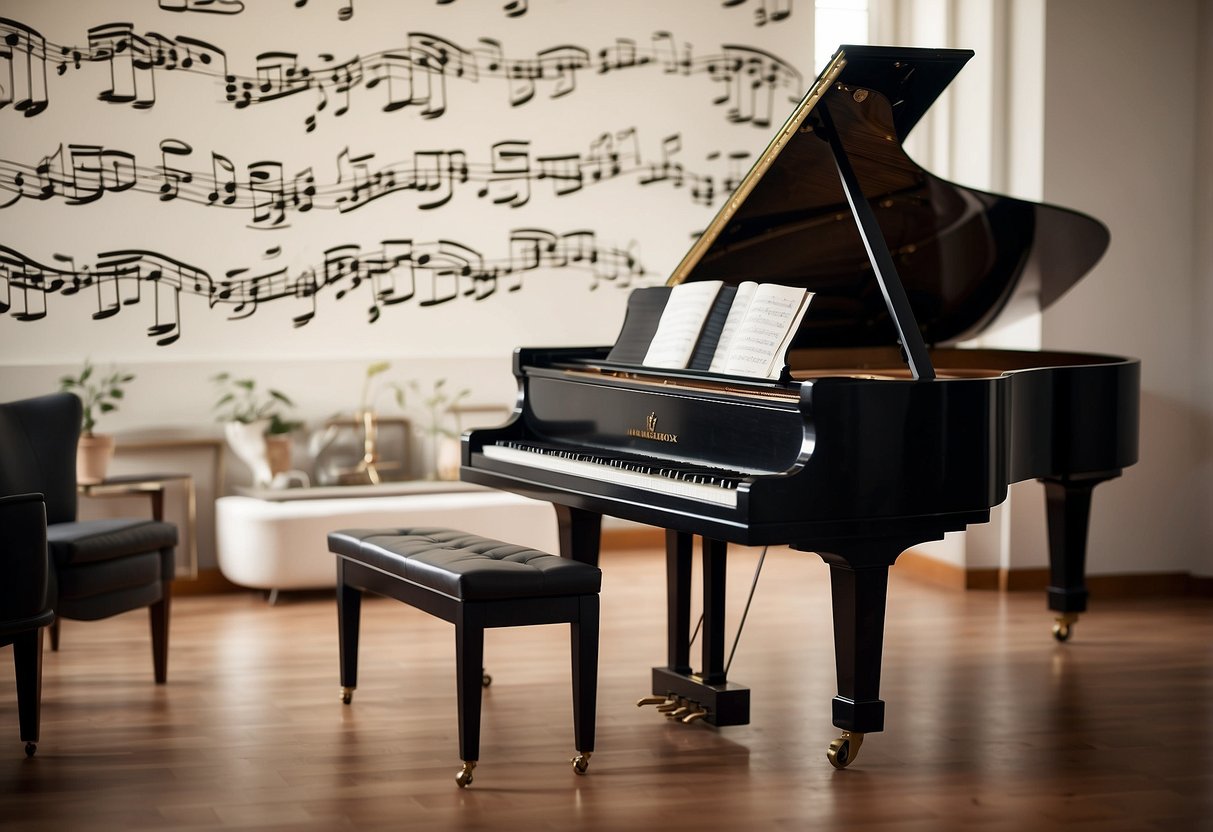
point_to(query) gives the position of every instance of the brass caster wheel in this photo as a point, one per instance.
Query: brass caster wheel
(485, 680)
(464, 778)
(1062, 626)
(581, 762)
(844, 749)
(30, 749)
(347, 695)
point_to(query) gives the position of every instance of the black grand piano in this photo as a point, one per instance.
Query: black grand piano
(878, 435)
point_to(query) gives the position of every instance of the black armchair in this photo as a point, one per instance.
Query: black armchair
(24, 610)
(98, 568)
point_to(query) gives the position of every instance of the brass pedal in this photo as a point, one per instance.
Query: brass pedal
(670, 705)
(695, 715)
(651, 700)
(678, 713)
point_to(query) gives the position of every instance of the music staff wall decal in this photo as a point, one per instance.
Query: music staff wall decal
(411, 76)
(80, 174)
(420, 132)
(431, 273)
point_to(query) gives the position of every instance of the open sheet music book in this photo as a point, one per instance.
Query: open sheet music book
(705, 325)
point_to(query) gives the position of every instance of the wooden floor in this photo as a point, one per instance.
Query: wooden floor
(990, 724)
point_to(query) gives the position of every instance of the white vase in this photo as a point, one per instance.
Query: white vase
(247, 441)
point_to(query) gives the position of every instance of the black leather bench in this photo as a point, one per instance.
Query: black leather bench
(473, 582)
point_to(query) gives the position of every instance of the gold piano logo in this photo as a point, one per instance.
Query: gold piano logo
(650, 431)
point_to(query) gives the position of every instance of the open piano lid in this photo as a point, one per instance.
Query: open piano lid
(964, 257)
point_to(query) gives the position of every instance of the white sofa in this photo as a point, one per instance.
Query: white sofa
(281, 543)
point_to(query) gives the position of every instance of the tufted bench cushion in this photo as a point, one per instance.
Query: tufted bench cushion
(465, 566)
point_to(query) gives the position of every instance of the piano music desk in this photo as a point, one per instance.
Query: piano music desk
(276, 540)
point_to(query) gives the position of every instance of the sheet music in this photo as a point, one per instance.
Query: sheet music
(741, 303)
(681, 322)
(760, 340)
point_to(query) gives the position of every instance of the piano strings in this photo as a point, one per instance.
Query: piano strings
(755, 84)
(428, 273)
(79, 174)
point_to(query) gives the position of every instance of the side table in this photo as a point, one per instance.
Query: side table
(153, 485)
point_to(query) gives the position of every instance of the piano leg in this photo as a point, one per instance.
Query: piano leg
(580, 533)
(1068, 505)
(859, 606)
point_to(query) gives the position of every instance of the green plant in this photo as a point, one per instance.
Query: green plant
(370, 391)
(438, 405)
(241, 401)
(99, 394)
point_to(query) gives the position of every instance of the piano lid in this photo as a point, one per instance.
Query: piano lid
(965, 257)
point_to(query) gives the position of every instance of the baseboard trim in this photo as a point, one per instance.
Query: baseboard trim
(633, 537)
(207, 582)
(926, 568)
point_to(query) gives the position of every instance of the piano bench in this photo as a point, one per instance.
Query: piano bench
(473, 582)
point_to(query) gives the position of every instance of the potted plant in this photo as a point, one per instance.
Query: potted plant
(98, 394)
(444, 440)
(254, 425)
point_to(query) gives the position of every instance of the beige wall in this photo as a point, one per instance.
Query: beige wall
(1122, 101)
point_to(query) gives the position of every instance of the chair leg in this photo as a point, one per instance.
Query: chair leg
(584, 632)
(349, 614)
(54, 628)
(27, 660)
(158, 615)
(469, 659)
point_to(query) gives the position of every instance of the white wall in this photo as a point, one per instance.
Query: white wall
(1120, 141)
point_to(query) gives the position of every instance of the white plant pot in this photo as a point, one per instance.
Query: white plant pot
(247, 441)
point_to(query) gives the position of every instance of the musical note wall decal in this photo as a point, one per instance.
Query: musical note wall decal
(80, 174)
(411, 76)
(148, 142)
(430, 273)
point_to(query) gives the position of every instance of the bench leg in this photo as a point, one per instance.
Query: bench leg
(469, 659)
(349, 609)
(585, 679)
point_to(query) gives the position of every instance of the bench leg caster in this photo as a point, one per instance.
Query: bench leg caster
(464, 778)
(347, 694)
(581, 762)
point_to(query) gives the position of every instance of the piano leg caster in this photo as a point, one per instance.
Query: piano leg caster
(844, 749)
(1063, 624)
(485, 680)
(347, 694)
(581, 763)
(464, 778)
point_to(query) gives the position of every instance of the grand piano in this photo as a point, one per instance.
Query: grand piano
(880, 434)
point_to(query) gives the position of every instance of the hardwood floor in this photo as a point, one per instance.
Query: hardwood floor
(990, 724)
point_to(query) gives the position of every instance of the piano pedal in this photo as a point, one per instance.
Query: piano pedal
(679, 712)
(670, 705)
(694, 716)
(651, 700)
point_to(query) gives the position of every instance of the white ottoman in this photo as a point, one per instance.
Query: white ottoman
(270, 544)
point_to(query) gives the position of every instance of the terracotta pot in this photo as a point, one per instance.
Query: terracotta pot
(93, 455)
(278, 453)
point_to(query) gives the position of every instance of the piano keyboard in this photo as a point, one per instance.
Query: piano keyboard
(651, 474)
